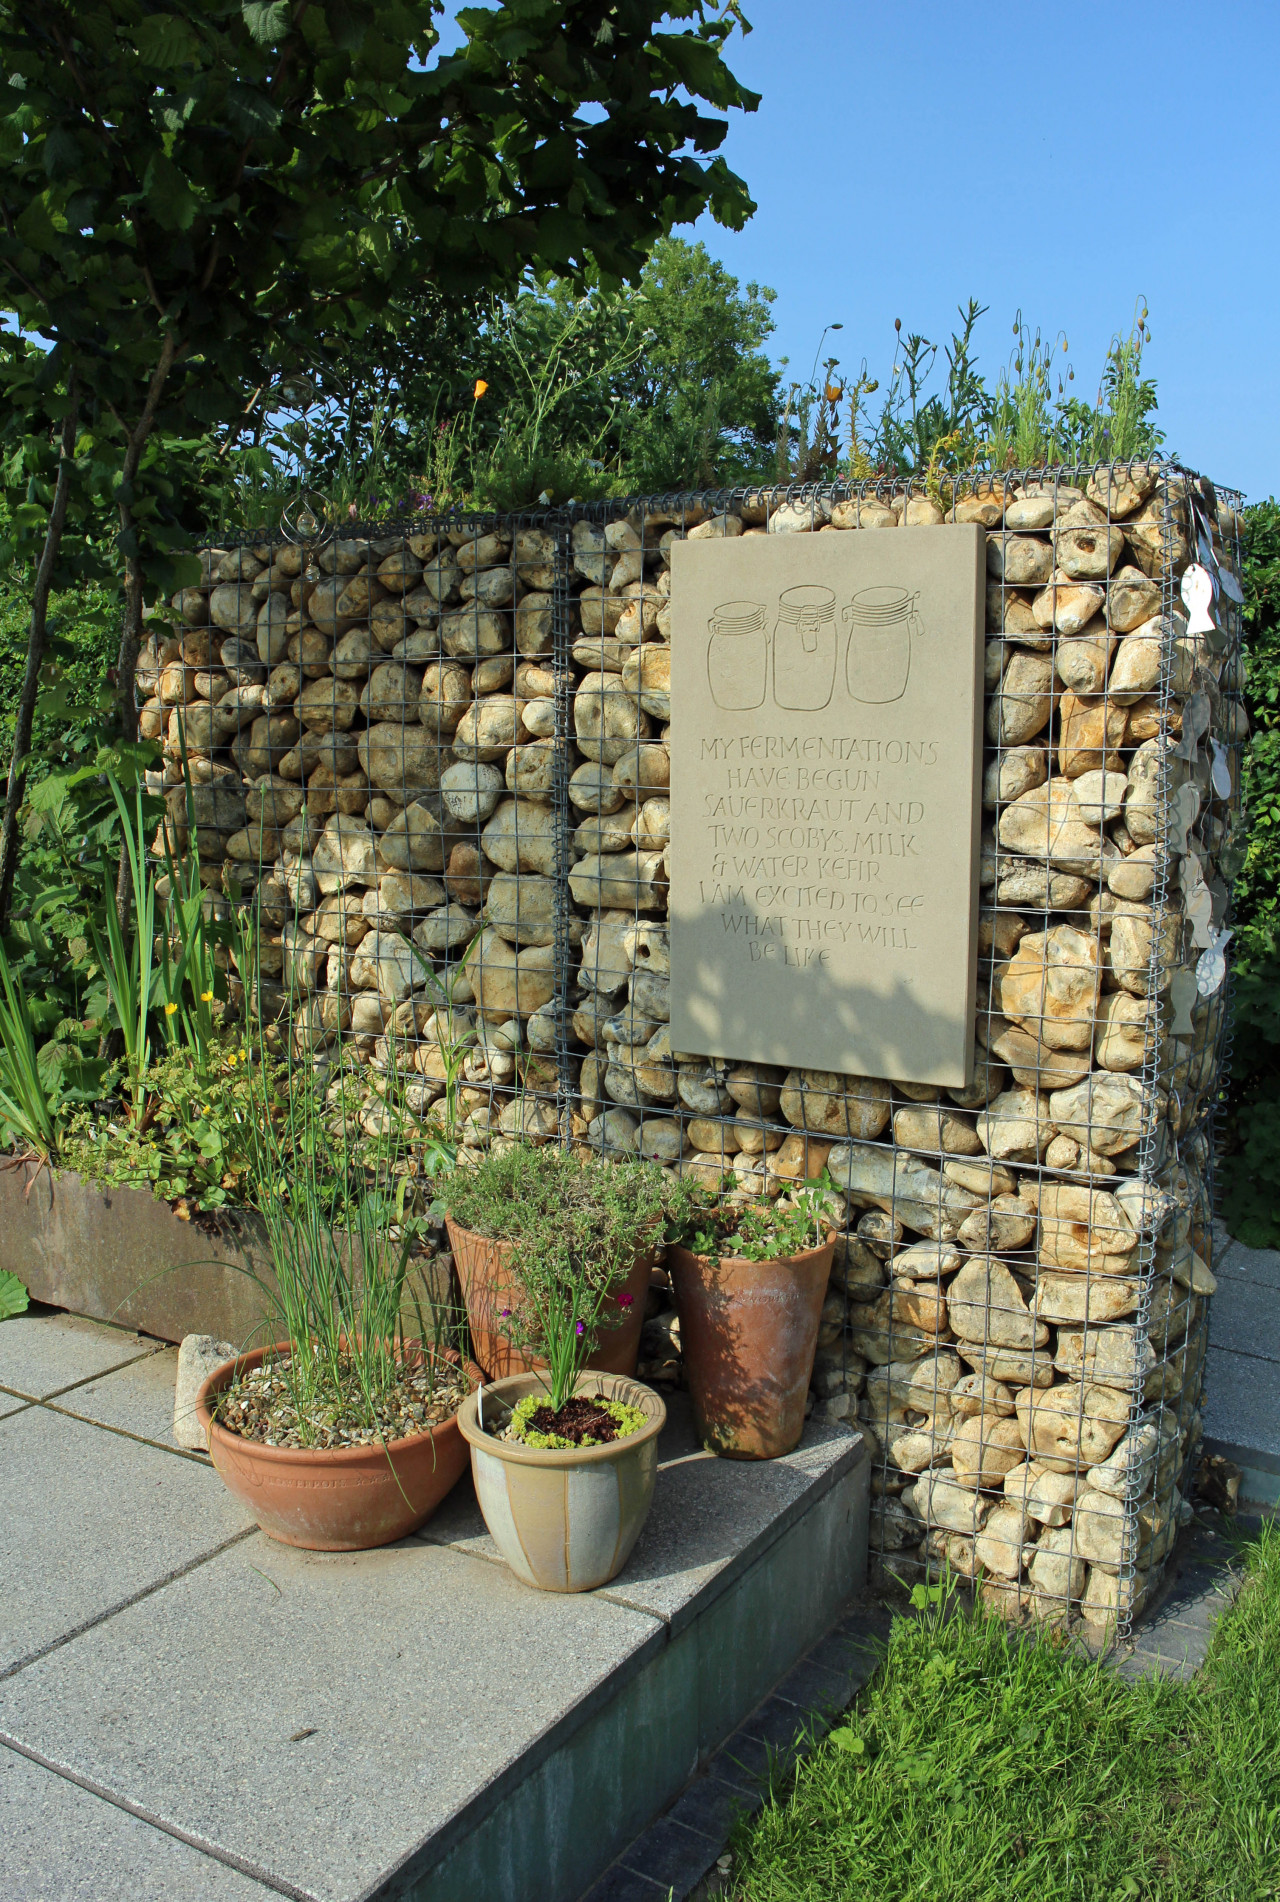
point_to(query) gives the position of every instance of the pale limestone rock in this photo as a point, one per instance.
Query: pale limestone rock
(646, 674)
(1121, 489)
(999, 1546)
(1046, 1497)
(389, 965)
(985, 1304)
(1085, 547)
(1049, 988)
(1134, 877)
(1047, 823)
(979, 1394)
(1023, 704)
(1004, 1223)
(1071, 1425)
(347, 848)
(414, 841)
(1105, 1112)
(470, 791)
(1030, 512)
(940, 1501)
(1012, 773)
(1020, 561)
(1145, 949)
(934, 1131)
(446, 695)
(1067, 606)
(521, 837)
(522, 907)
(1126, 1028)
(1066, 1298)
(1091, 729)
(1131, 1466)
(1100, 796)
(1082, 662)
(1016, 1127)
(400, 758)
(620, 880)
(1118, 1355)
(530, 772)
(392, 693)
(445, 929)
(507, 982)
(834, 1105)
(199, 1356)
(487, 728)
(1014, 1366)
(899, 1182)
(1037, 1065)
(1054, 1571)
(607, 721)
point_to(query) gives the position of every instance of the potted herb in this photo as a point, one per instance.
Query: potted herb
(342, 1434)
(564, 1460)
(523, 1199)
(750, 1279)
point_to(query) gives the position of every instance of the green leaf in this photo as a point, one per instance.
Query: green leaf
(266, 19)
(170, 199)
(13, 1296)
(848, 1740)
(165, 41)
(248, 113)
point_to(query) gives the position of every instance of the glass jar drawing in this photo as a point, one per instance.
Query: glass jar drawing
(881, 623)
(738, 656)
(804, 649)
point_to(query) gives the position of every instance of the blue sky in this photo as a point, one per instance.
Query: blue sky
(1061, 160)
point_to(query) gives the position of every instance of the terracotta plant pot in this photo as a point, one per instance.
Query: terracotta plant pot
(565, 1518)
(748, 1335)
(489, 1286)
(344, 1500)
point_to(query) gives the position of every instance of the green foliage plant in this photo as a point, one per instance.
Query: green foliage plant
(14, 1298)
(340, 1250)
(1250, 1169)
(577, 1229)
(29, 1097)
(755, 1230)
(626, 1420)
(977, 1765)
(126, 953)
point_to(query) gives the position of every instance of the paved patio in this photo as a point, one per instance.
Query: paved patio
(188, 1710)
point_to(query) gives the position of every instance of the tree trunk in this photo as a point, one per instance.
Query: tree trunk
(35, 657)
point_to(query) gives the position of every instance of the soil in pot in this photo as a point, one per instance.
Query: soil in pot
(357, 1486)
(491, 1292)
(564, 1518)
(748, 1335)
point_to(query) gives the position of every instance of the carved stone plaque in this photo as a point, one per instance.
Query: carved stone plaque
(826, 765)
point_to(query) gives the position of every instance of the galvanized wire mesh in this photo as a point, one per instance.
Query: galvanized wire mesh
(437, 751)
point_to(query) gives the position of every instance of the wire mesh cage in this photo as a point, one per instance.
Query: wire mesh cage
(435, 752)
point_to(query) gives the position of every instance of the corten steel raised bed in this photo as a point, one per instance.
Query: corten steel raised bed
(122, 1256)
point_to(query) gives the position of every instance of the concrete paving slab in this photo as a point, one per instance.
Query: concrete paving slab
(89, 1520)
(60, 1843)
(136, 1398)
(1245, 1317)
(1238, 1263)
(44, 1353)
(1242, 1400)
(318, 1715)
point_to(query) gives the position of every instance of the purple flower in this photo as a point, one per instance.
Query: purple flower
(503, 1313)
(581, 1328)
(625, 1300)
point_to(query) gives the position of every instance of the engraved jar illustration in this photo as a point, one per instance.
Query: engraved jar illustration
(804, 649)
(881, 624)
(738, 656)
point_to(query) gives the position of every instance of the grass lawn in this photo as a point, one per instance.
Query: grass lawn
(979, 1769)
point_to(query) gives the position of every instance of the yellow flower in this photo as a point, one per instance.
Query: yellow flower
(231, 1057)
(481, 387)
(206, 997)
(169, 1009)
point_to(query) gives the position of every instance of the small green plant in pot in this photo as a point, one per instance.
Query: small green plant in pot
(750, 1279)
(516, 1209)
(564, 1460)
(342, 1433)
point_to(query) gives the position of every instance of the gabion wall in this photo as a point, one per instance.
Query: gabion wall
(438, 751)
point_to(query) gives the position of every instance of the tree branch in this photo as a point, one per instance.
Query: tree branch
(35, 654)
